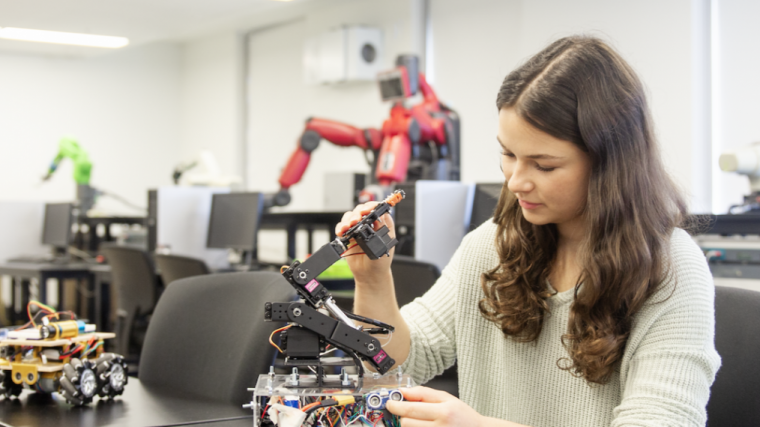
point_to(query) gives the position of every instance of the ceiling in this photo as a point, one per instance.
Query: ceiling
(142, 21)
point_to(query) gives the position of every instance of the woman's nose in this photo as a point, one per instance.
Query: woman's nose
(519, 181)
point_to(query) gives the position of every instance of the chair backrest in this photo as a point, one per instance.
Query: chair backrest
(175, 267)
(412, 278)
(134, 278)
(735, 395)
(134, 281)
(208, 339)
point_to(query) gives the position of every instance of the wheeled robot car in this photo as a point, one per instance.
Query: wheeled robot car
(55, 352)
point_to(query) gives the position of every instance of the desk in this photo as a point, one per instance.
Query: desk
(138, 406)
(293, 221)
(40, 272)
(92, 241)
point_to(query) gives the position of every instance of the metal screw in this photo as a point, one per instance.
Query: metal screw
(294, 377)
(344, 379)
(371, 347)
(296, 312)
(302, 275)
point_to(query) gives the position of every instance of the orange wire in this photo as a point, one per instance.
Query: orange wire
(41, 307)
(311, 405)
(275, 331)
(333, 422)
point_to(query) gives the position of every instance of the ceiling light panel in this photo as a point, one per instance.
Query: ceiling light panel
(57, 37)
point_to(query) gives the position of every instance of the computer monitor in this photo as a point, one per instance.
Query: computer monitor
(484, 203)
(56, 229)
(234, 221)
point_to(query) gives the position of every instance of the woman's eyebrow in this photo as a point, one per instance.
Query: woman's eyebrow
(533, 156)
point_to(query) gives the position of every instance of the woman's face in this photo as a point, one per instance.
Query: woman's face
(548, 175)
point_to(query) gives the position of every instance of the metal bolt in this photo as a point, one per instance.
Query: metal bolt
(344, 379)
(302, 275)
(371, 347)
(296, 312)
(294, 377)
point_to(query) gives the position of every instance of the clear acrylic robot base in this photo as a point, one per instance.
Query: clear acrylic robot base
(269, 385)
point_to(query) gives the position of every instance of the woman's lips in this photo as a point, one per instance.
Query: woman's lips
(528, 205)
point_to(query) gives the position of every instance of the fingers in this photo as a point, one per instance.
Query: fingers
(425, 394)
(386, 220)
(414, 410)
(351, 218)
(419, 403)
(409, 422)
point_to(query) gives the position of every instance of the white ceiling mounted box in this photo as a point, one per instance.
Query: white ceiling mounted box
(343, 55)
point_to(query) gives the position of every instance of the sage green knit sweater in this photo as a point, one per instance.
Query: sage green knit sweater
(664, 377)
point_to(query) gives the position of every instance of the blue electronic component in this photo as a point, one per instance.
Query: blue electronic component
(377, 400)
(292, 401)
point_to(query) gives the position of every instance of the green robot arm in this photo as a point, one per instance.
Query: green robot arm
(70, 148)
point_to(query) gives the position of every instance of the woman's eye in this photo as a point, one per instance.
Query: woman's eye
(544, 169)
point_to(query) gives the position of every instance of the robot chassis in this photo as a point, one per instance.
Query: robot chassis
(310, 332)
(42, 359)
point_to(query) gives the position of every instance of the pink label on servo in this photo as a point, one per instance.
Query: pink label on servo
(311, 285)
(379, 357)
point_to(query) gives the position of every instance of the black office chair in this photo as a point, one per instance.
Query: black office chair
(735, 395)
(208, 339)
(136, 285)
(412, 278)
(175, 267)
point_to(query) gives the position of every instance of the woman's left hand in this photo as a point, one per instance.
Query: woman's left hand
(425, 406)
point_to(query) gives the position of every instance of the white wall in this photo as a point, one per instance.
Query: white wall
(211, 99)
(123, 107)
(476, 45)
(737, 92)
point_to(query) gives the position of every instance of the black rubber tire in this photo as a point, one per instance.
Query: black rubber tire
(74, 373)
(111, 371)
(8, 388)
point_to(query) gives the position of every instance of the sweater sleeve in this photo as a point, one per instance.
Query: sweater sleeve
(671, 362)
(432, 321)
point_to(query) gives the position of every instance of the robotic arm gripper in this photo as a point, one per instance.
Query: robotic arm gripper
(311, 330)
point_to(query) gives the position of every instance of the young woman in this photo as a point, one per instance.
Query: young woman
(582, 303)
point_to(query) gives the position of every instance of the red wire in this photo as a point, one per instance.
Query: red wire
(358, 253)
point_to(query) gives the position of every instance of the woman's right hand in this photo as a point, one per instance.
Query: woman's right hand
(366, 271)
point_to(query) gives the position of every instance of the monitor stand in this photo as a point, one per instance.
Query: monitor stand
(59, 255)
(243, 260)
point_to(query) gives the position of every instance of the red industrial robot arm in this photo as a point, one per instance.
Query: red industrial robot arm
(315, 131)
(407, 127)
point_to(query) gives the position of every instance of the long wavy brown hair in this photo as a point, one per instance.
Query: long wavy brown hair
(580, 90)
